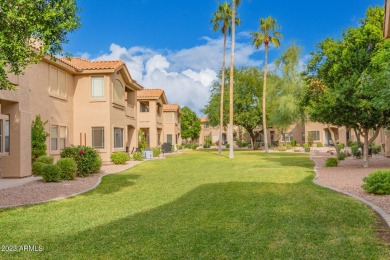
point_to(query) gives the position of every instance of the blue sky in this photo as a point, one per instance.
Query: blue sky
(171, 45)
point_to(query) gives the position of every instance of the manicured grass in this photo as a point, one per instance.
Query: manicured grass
(200, 205)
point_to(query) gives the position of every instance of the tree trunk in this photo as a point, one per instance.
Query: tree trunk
(357, 133)
(264, 100)
(333, 138)
(231, 153)
(222, 96)
(253, 139)
(366, 162)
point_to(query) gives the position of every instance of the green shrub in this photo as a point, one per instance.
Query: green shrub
(378, 182)
(293, 142)
(227, 145)
(137, 156)
(51, 173)
(207, 142)
(340, 146)
(45, 159)
(306, 145)
(68, 168)
(355, 151)
(320, 145)
(87, 159)
(194, 146)
(350, 143)
(157, 151)
(331, 162)
(142, 141)
(38, 138)
(37, 168)
(281, 148)
(288, 147)
(120, 157)
(341, 156)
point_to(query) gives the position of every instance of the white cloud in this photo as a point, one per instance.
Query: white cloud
(187, 74)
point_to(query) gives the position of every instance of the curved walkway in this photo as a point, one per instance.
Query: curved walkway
(347, 179)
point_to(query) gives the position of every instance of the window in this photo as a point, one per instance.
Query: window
(118, 93)
(206, 126)
(57, 82)
(118, 137)
(98, 137)
(169, 139)
(57, 137)
(97, 87)
(54, 138)
(144, 107)
(315, 135)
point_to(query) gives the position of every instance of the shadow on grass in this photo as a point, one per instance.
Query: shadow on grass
(233, 220)
(114, 183)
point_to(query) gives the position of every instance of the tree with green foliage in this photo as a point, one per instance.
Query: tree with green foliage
(31, 29)
(266, 35)
(38, 138)
(338, 92)
(247, 107)
(222, 19)
(190, 124)
(284, 92)
(142, 141)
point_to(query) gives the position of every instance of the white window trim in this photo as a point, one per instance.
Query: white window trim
(123, 148)
(58, 151)
(103, 98)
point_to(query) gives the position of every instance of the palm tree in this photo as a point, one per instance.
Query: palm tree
(235, 4)
(221, 19)
(267, 25)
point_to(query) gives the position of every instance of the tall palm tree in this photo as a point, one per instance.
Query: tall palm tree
(234, 4)
(267, 35)
(221, 20)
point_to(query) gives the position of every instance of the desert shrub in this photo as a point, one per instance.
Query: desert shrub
(331, 162)
(157, 151)
(378, 182)
(87, 159)
(194, 146)
(51, 173)
(293, 142)
(179, 147)
(68, 168)
(355, 151)
(320, 145)
(37, 168)
(120, 157)
(341, 156)
(288, 147)
(281, 148)
(45, 159)
(38, 138)
(137, 156)
(207, 142)
(375, 149)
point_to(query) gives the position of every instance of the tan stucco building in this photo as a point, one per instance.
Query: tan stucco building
(85, 102)
(172, 124)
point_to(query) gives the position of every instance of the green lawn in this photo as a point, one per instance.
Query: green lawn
(200, 205)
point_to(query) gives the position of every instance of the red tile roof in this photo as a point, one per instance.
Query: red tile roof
(84, 64)
(149, 93)
(174, 107)
(204, 119)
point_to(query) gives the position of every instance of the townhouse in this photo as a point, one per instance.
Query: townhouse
(84, 102)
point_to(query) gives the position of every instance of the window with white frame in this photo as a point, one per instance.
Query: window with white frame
(4, 134)
(118, 137)
(315, 135)
(58, 136)
(97, 87)
(57, 82)
(98, 137)
(118, 93)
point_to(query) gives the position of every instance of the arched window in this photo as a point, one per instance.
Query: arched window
(118, 92)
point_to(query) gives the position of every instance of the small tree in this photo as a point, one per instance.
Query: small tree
(190, 124)
(38, 138)
(142, 142)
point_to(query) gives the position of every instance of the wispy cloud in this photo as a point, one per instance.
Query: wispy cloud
(187, 74)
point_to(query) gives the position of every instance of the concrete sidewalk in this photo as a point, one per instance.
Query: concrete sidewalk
(9, 183)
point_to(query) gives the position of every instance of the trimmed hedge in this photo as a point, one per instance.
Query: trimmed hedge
(157, 151)
(120, 157)
(45, 159)
(331, 162)
(68, 168)
(87, 159)
(378, 182)
(37, 168)
(51, 173)
(137, 156)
